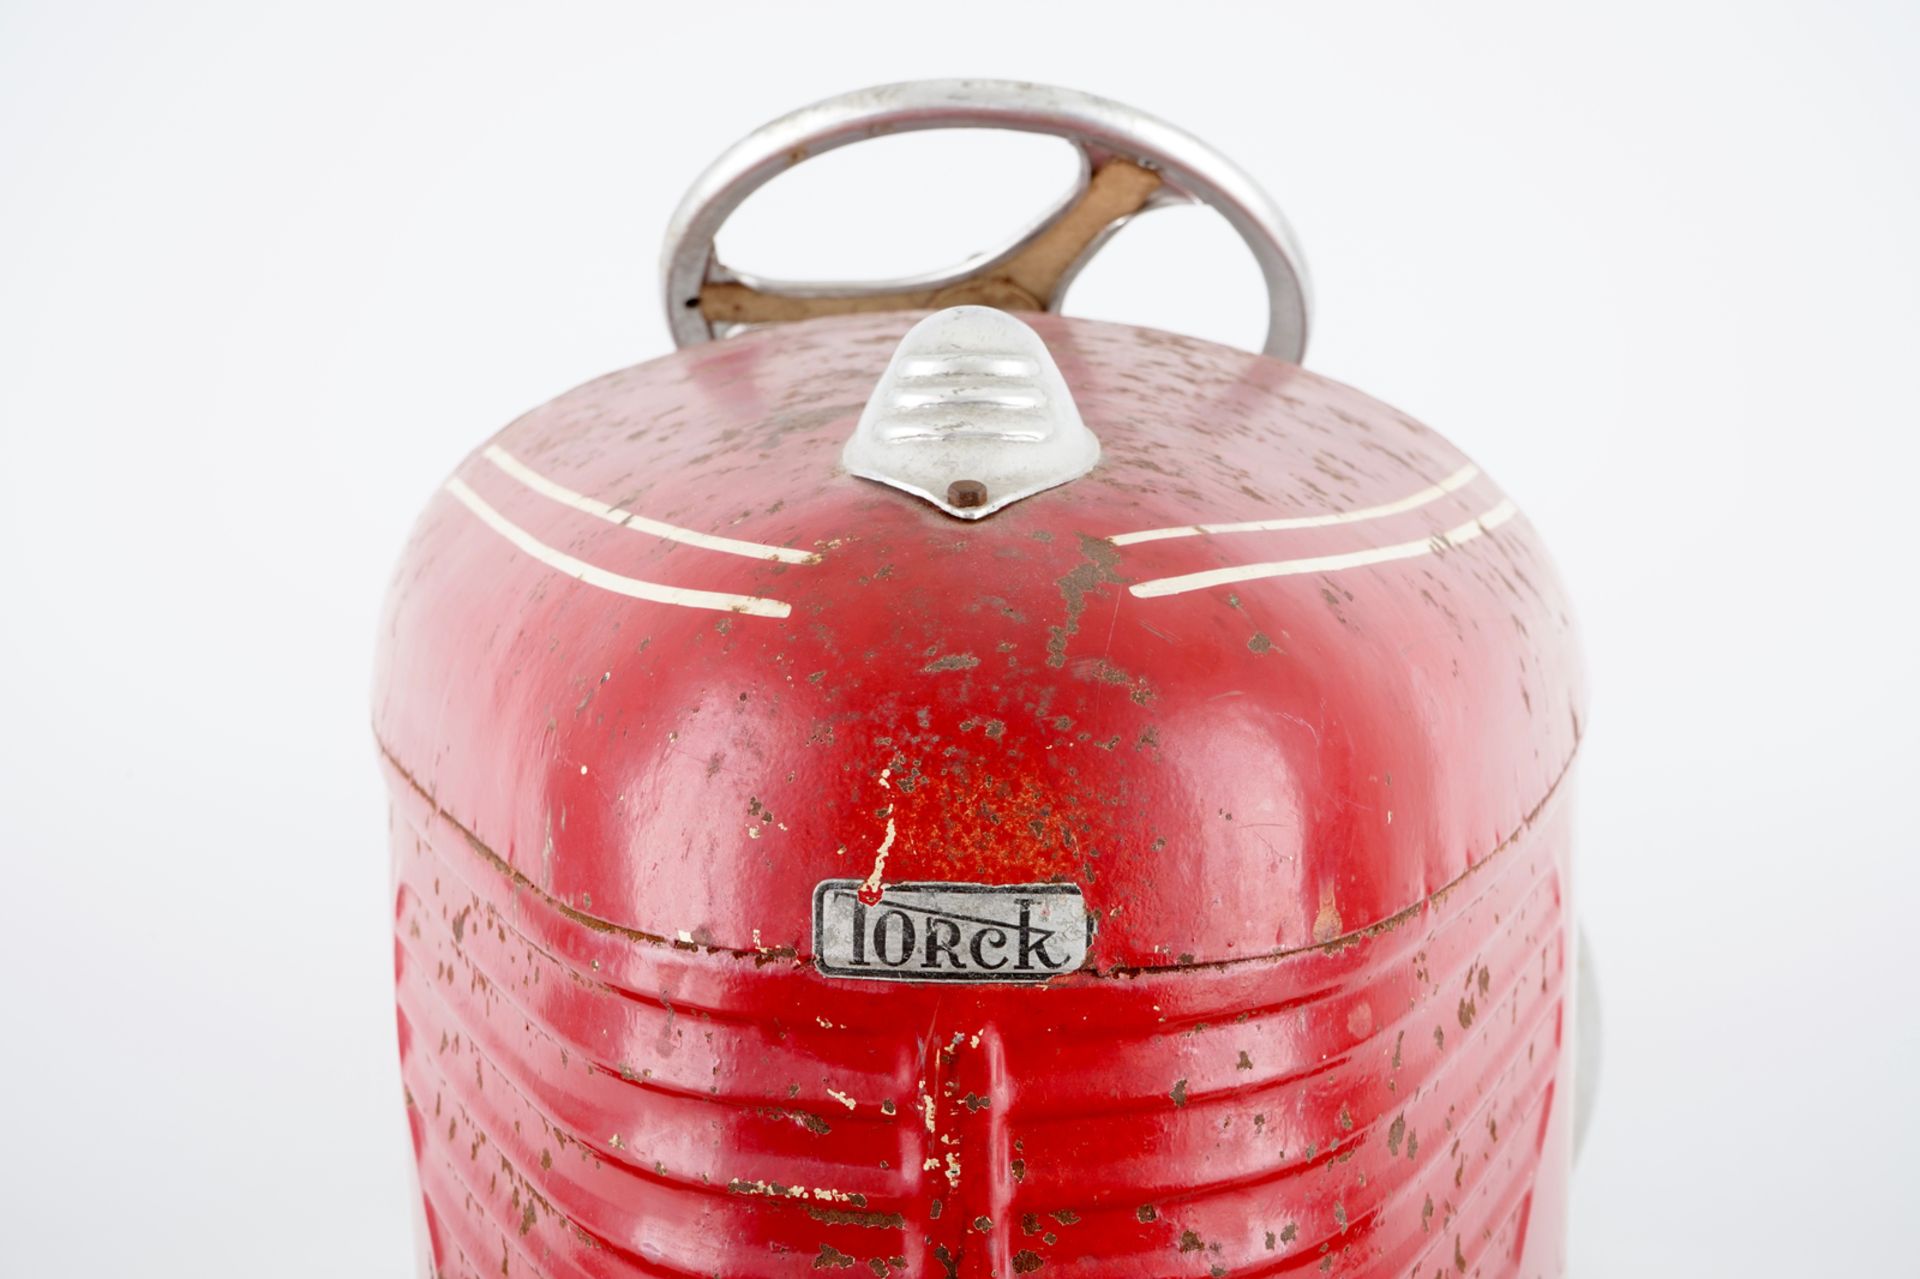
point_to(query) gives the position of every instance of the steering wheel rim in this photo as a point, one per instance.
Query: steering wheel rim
(1117, 145)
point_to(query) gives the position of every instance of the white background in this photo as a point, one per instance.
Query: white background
(268, 271)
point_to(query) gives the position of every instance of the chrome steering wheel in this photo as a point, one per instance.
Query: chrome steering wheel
(1130, 163)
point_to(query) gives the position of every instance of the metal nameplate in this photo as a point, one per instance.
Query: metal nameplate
(950, 932)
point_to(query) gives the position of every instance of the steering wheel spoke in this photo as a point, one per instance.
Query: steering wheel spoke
(1028, 279)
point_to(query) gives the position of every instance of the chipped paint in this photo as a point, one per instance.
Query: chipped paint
(627, 953)
(870, 887)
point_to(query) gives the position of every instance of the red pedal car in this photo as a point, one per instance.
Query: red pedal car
(911, 784)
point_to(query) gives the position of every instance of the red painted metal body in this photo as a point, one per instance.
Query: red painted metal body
(1319, 817)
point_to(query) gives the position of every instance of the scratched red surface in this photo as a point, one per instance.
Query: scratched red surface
(1319, 819)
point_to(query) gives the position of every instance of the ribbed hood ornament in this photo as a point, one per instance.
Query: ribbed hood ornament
(972, 414)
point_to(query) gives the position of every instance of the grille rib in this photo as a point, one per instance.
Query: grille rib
(590, 1105)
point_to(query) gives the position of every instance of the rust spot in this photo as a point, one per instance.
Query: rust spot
(1326, 924)
(1145, 1212)
(1190, 1242)
(1105, 672)
(1179, 1093)
(843, 1217)
(811, 1122)
(951, 662)
(1101, 559)
(831, 1258)
(1026, 1261)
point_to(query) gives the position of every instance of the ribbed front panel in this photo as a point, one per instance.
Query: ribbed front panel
(588, 1102)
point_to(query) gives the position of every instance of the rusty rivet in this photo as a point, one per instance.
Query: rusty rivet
(966, 493)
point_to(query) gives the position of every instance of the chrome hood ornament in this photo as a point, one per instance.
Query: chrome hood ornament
(972, 414)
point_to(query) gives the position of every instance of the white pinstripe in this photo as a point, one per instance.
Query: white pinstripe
(614, 515)
(1433, 492)
(1453, 537)
(593, 576)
